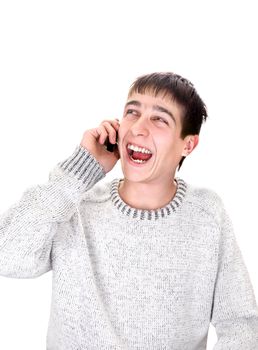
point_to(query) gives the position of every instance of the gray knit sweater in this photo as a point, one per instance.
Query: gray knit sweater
(125, 278)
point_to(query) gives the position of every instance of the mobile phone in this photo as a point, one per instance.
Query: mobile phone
(110, 146)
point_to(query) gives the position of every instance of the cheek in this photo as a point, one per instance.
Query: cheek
(120, 132)
(164, 140)
(123, 129)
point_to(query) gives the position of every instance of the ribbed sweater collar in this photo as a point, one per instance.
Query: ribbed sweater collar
(144, 214)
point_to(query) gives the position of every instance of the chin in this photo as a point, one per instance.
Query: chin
(135, 176)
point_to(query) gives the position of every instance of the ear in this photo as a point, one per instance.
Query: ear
(190, 142)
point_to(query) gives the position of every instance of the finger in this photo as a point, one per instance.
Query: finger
(103, 134)
(114, 122)
(95, 132)
(111, 131)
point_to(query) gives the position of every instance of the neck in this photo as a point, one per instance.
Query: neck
(147, 196)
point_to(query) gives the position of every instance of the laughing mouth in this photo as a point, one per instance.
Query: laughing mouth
(138, 154)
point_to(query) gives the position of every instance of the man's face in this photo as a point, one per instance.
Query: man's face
(152, 123)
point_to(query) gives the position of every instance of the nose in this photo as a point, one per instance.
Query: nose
(140, 127)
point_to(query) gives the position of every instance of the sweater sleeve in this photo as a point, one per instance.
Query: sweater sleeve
(234, 309)
(27, 228)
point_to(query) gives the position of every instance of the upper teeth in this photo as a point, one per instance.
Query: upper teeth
(139, 149)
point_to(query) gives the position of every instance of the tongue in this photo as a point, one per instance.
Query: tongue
(141, 156)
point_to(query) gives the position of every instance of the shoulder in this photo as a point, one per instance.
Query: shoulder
(203, 195)
(204, 202)
(100, 192)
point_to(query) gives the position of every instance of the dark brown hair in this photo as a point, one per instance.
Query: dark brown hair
(182, 91)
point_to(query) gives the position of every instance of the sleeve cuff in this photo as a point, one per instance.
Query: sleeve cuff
(84, 166)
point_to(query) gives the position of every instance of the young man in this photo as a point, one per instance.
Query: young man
(143, 262)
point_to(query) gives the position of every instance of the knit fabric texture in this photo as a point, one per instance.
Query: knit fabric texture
(125, 278)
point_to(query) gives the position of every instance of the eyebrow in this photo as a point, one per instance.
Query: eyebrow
(155, 108)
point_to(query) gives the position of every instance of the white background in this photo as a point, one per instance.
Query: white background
(67, 65)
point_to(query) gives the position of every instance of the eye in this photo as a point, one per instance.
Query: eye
(131, 111)
(160, 120)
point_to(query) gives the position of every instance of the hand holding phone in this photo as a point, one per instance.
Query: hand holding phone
(111, 146)
(97, 142)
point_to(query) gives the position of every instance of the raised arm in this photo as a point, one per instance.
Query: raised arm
(27, 228)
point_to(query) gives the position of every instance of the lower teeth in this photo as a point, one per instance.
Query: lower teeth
(138, 160)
